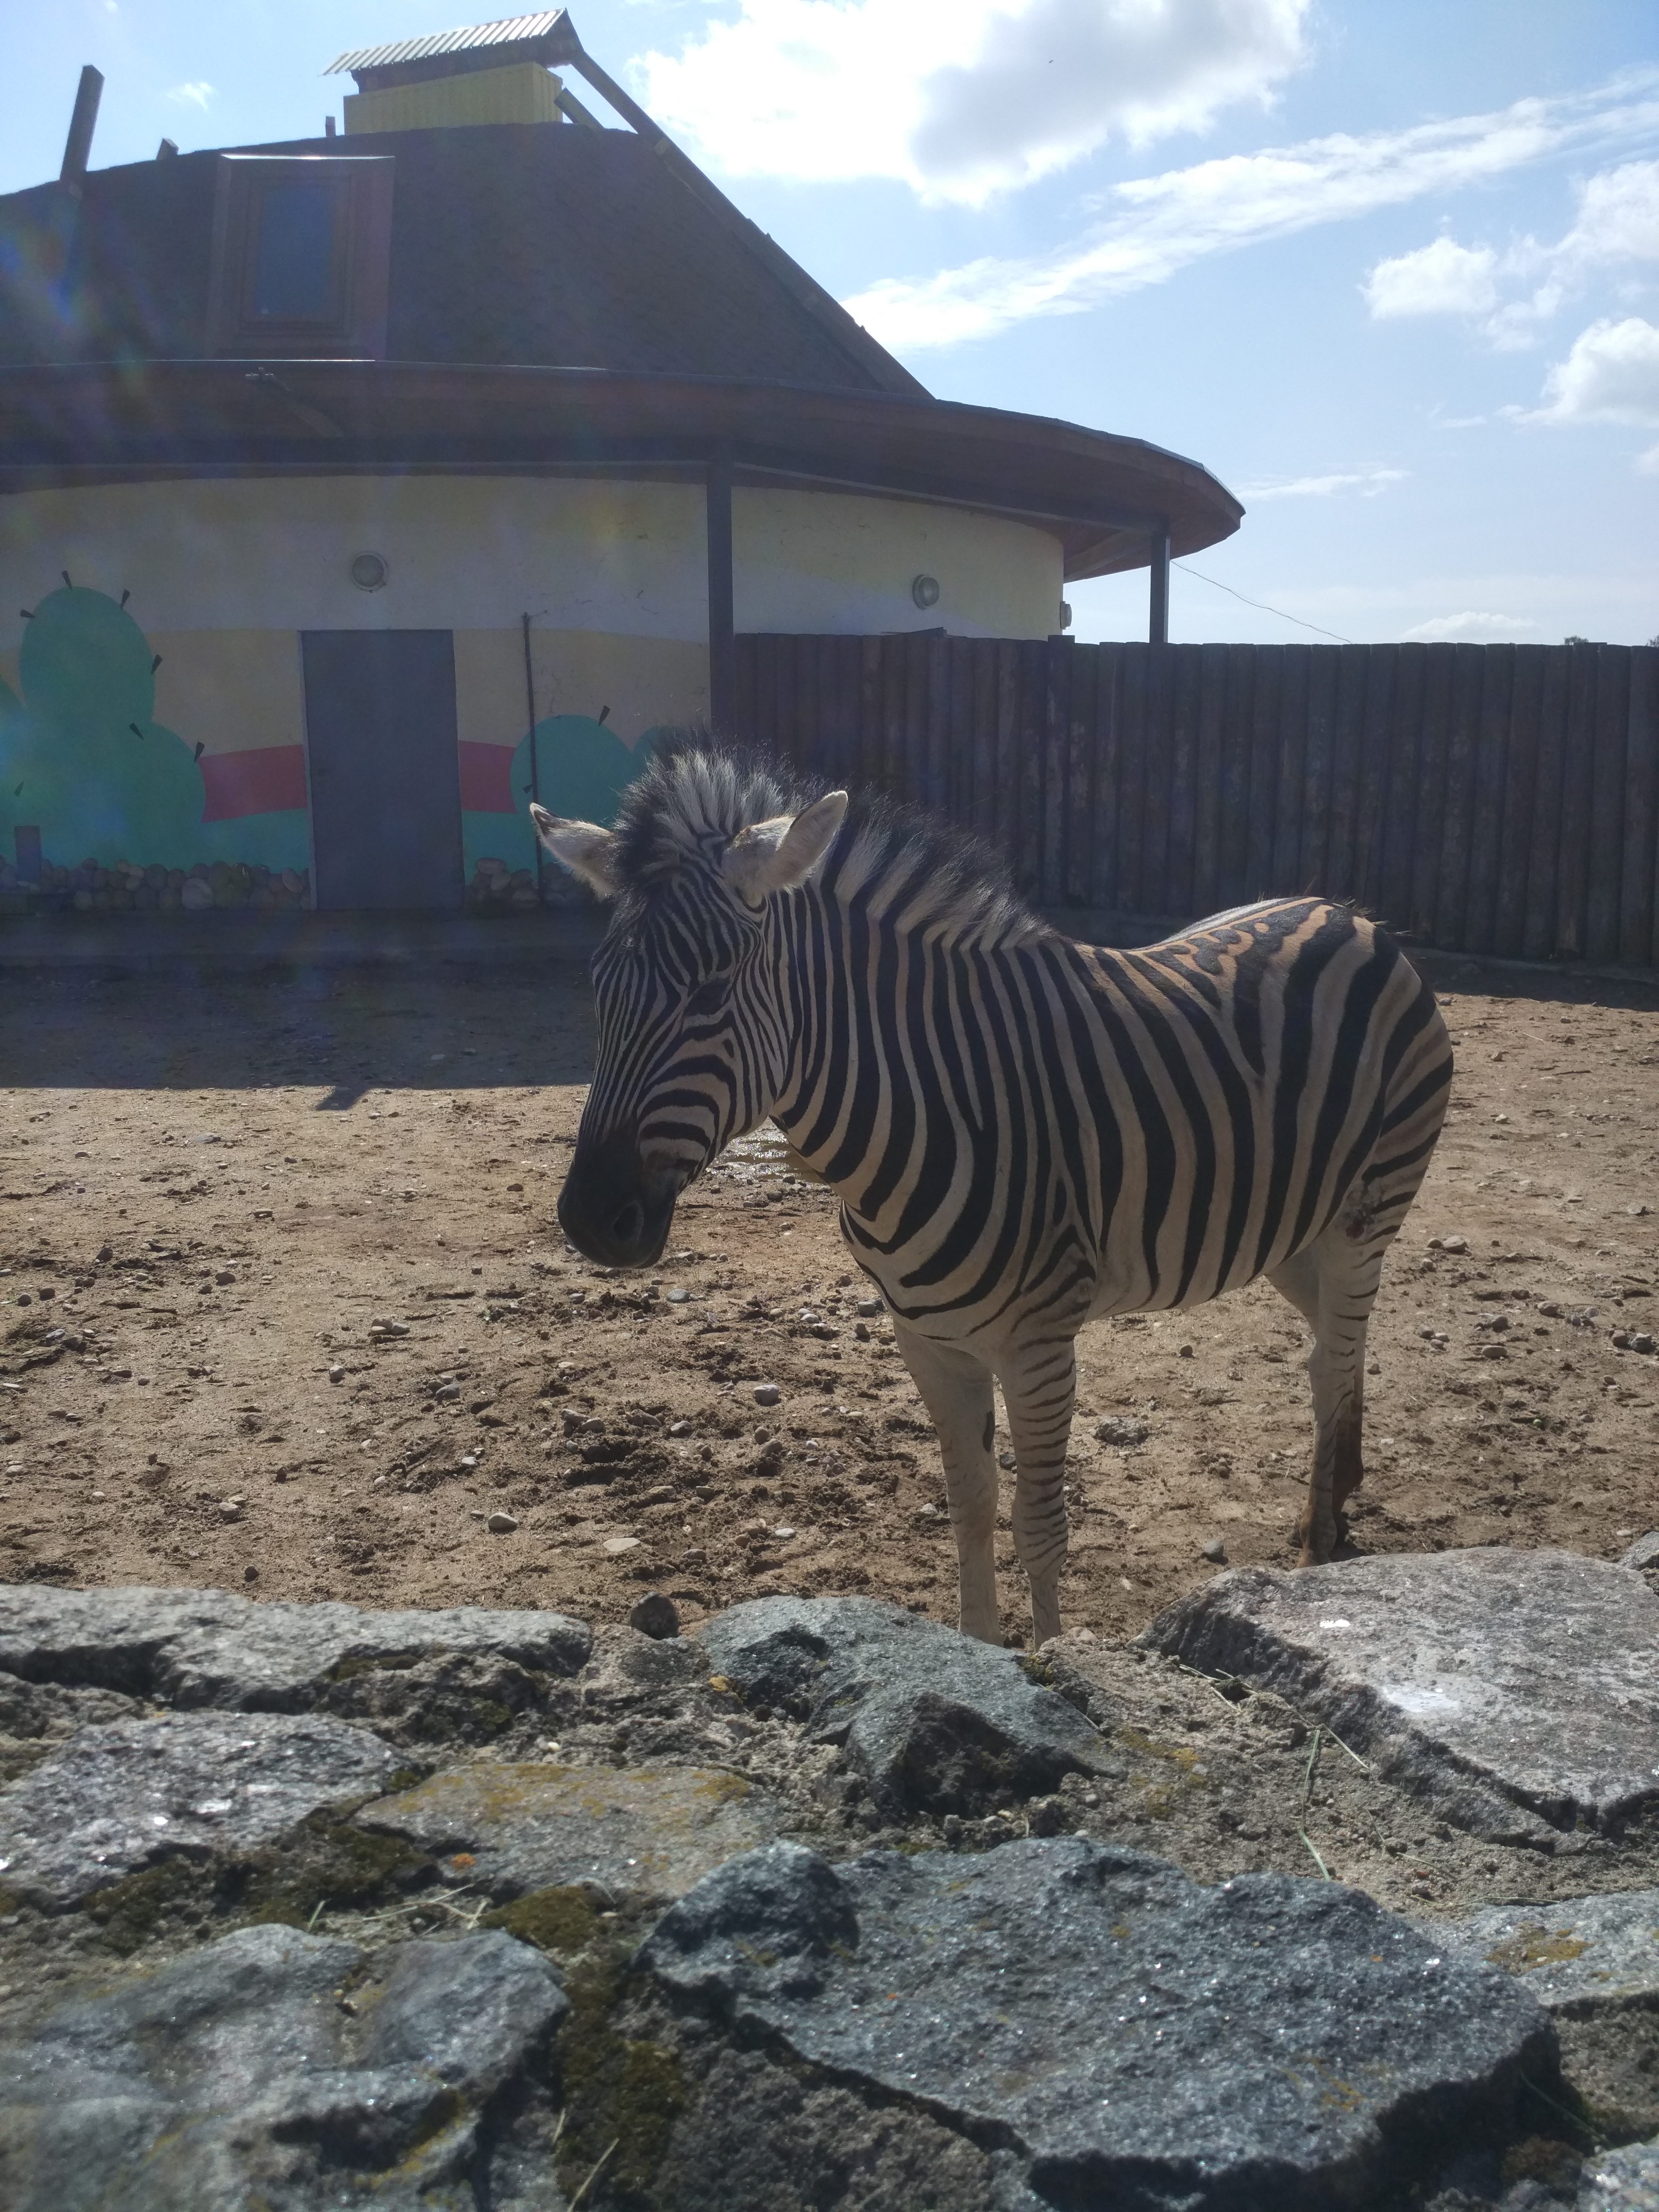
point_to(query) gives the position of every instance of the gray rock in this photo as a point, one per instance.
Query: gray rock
(443, 1697)
(1643, 1553)
(1143, 2042)
(935, 1721)
(208, 1648)
(1578, 1955)
(639, 1832)
(280, 2070)
(37, 1709)
(1621, 2181)
(655, 1616)
(123, 1794)
(1518, 1690)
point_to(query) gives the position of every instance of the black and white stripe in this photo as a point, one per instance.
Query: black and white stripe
(1024, 1132)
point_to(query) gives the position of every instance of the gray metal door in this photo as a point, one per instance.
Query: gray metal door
(386, 792)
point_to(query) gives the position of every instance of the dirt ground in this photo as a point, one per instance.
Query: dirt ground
(285, 1308)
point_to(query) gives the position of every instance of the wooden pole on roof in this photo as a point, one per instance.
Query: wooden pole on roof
(78, 147)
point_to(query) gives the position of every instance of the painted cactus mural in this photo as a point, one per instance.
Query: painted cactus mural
(92, 784)
(582, 769)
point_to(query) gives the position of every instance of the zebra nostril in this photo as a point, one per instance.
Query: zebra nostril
(629, 1223)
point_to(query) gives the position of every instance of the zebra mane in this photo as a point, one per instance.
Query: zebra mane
(693, 799)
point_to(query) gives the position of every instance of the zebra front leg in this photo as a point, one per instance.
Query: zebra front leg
(1039, 1388)
(1332, 1285)
(956, 1388)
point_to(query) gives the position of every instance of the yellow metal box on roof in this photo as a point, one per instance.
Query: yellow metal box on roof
(524, 92)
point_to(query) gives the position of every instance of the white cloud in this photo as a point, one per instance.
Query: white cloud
(829, 90)
(1647, 464)
(1611, 375)
(1469, 628)
(192, 95)
(1367, 482)
(1618, 222)
(1441, 279)
(1162, 224)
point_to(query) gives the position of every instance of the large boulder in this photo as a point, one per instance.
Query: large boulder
(640, 1833)
(935, 1722)
(1518, 1690)
(283, 2070)
(208, 1648)
(124, 1795)
(1141, 2041)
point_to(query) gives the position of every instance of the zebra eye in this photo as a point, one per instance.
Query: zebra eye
(710, 996)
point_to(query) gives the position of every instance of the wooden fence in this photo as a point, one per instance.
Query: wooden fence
(1500, 798)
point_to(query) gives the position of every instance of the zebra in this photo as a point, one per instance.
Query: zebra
(1024, 1132)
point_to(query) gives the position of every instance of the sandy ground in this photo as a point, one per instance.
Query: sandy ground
(286, 1308)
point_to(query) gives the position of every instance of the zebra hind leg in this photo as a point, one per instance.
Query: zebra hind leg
(1040, 1390)
(1332, 1285)
(956, 1388)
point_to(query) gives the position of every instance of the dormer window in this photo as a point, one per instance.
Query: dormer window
(301, 252)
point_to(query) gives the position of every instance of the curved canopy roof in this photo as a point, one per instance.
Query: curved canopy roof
(1100, 496)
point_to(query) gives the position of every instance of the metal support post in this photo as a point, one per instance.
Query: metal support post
(1157, 627)
(722, 642)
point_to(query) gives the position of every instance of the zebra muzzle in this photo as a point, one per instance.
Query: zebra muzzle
(613, 1210)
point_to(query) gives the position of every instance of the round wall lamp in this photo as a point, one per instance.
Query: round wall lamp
(925, 590)
(368, 571)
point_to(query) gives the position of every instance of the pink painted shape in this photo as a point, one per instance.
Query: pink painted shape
(266, 780)
(487, 779)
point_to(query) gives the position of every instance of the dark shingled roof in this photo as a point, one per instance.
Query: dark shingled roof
(533, 244)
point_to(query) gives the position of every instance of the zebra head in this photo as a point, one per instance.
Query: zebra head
(695, 1030)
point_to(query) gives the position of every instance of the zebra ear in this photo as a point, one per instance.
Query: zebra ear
(779, 855)
(586, 849)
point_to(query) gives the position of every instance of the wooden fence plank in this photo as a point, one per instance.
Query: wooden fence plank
(765, 661)
(1056, 759)
(1519, 798)
(1577, 780)
(1295, 666)
(1636, 910)
(1347, 738)
(1544, 856)
(1376, 745)
(1181, 746)
(1398, 830)
(1104, 891)
(1154, 754)
(1324, 675)
(1439, 668)
(747, 647)
(1213, 663)
(1263, 740)
(1131, 780)
(1031, 700)
(934, 712)
(1492, 733)
(1235, 825)
(983, 680)
(1609, 778)
(1458, 795)
(1080, 757)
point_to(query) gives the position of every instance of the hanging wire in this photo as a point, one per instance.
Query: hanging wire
(1261, 604)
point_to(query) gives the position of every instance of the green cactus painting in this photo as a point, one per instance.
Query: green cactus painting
(83, 760)
(582, 769)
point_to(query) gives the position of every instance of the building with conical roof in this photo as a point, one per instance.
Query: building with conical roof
(332, 470)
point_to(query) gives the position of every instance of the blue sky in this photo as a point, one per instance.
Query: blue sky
(1389, 269)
